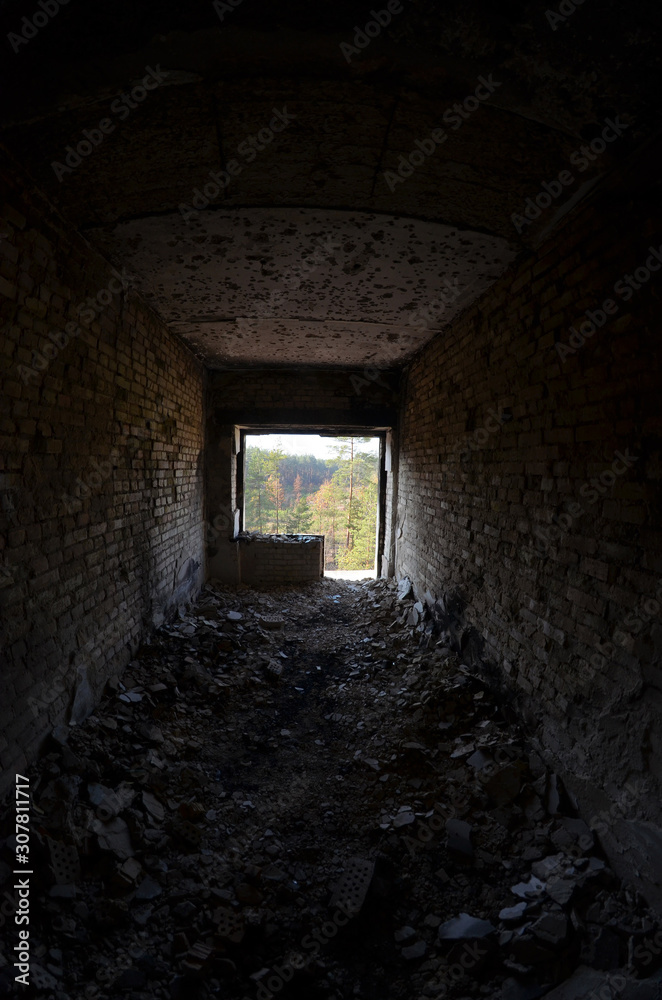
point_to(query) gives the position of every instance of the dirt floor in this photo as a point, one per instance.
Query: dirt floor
(305, 794)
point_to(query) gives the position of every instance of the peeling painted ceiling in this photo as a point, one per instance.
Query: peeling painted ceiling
(297, 286)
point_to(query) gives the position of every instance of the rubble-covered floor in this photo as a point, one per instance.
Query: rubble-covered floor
(304, 794)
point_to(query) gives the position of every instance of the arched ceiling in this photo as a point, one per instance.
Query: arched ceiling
(304, 286)
(215, 275)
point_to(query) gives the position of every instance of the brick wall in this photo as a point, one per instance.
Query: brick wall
(277, 560)
(529, 505)
(101, 477)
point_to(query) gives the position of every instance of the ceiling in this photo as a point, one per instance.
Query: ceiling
(221, 276)
(304, 286)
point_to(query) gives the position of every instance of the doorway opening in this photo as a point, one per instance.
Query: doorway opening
(300, 483)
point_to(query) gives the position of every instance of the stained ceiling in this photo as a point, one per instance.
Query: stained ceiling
(304, 286)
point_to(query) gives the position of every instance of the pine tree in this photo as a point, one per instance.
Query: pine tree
(299, 518)
(276, 494)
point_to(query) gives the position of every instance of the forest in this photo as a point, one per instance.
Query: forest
(299, 494)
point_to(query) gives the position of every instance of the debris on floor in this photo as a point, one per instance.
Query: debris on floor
(305, 792)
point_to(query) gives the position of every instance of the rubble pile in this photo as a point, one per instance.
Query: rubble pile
(306, 792)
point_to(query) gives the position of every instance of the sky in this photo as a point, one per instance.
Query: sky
(305, 444)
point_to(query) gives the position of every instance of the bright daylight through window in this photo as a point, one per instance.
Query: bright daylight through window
(305, 483)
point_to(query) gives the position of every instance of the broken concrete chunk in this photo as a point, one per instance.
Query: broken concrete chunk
(274, 669)
(271, 622)
(198, 674)
(412, 617)
(404, 934)
(198, 957)
(513, 914)
(84, 700)
(153, 806)
(60, 735)
(65, 863)
(110, 802)
(546, 867)
(414, 951)
(404, 818)
(464, 927)
(528, 890)
(479, 760)
(372, 763)
(131, 697)
(152, 734)
(114, 836)
(229, 924)
(149, 888)
(131, 869)
(352, 888)
(561, 890)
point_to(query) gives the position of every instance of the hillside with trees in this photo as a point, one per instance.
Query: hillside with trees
(336, 497)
